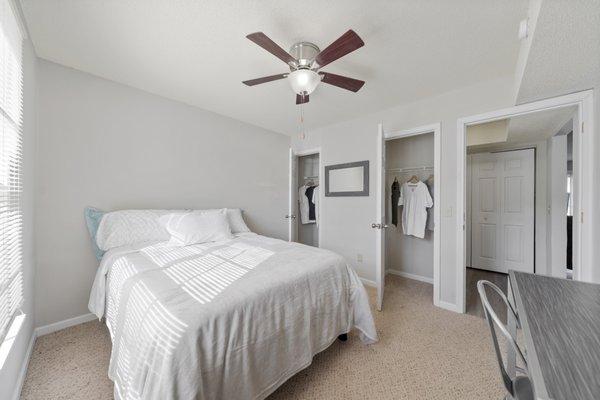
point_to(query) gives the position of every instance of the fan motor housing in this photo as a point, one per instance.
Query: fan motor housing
(305, 53)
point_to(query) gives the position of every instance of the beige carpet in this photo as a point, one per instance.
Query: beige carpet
(424, 353)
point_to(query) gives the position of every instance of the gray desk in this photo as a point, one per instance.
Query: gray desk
(561, 327)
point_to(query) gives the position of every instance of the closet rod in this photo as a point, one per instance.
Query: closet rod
(422, 168)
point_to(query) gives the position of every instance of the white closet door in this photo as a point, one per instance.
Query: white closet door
(292, 197)
(379, 224)
(517, 190)
(503, 210)
(485, 212)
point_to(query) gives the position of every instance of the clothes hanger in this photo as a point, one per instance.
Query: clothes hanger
(413, 179)
(430, 179)
(395, 179)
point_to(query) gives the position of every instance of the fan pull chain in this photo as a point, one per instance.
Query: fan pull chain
(302, 134)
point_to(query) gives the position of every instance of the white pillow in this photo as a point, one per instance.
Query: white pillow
(236, 221)
(127, 227)
(196, 227)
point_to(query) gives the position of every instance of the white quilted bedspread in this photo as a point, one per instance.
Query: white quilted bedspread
(225, 320)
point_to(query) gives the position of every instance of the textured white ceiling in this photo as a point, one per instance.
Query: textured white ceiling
(196, 51)
(565, 50)
(530, 128)
(539, 125)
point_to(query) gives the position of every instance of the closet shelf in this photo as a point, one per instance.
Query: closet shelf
(421, 168)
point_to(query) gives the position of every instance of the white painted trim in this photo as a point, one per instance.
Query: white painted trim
(584, 192)
(67, 323)
(436, 129)
(414, 277)
(388, 135)
(24, 366)
(310, 152)
(368, 282)
(449, 306)
(16, 9)
(41, 331)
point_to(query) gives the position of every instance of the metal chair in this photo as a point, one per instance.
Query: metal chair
(519, 388)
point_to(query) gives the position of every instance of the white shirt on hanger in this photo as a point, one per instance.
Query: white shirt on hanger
(416, 200)
(303, 202)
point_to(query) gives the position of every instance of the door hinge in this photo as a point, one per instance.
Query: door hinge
(582, 217)
(582, 126)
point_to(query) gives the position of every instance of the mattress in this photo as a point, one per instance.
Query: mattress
(224, 320)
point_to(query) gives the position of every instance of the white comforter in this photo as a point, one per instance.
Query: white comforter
(225, 320)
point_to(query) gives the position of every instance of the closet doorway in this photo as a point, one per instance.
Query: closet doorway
(408, 207)
(499, 227)
(304, 197)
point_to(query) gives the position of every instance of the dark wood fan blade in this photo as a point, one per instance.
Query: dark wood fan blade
(264, 79)
(346, 43)
(301, 99)
(344, 82)
(263, 41)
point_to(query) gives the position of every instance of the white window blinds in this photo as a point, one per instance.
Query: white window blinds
(11, 156)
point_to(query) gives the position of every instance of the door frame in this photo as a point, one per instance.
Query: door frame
(583, 174)
(436, 129)
(294, 154)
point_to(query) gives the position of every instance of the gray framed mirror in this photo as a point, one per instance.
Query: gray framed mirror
(349, 179)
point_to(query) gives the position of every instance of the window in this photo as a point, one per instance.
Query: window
(11, 157)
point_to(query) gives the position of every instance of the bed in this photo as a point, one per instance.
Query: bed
(232, 319)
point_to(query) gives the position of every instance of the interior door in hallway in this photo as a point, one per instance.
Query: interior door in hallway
(503, 205)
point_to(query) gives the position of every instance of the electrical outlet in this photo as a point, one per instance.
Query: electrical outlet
(359, 258)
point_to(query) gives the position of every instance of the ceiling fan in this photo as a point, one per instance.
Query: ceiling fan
(305, 60)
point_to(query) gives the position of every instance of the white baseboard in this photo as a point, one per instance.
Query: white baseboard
(448, 306)
(41, 331)
(57, 326)
(368, 282)
(24, 367)
(410, 276)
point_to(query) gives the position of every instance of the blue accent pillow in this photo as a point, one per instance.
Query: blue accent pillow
(93, 216)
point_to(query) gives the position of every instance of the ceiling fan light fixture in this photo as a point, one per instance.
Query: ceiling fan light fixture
(304, 81)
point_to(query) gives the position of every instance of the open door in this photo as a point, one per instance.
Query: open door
(577, 200)
(293, 197)
(379, 224)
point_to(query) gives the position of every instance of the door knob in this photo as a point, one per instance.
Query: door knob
(290, 216)
(376, 226)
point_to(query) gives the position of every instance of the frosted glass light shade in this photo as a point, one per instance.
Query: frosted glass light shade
(304, 81)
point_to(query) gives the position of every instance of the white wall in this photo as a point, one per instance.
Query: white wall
(408, 254)
(16, 360)
(557, 201)
(488, 132)
(110, 146)
(346, 223)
